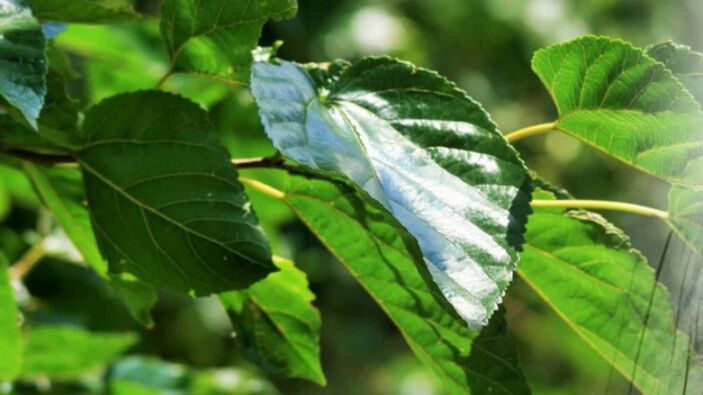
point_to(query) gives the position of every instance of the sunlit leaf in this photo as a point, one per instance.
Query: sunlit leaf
(278, 325)
(23, 64)
(10, 341)
(164, 198)
(614, 97)
(83, 11)
(586, 270)
(376, 250)
(420, 147)
(217, 36)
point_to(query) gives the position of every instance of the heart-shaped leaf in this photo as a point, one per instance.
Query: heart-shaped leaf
(23, 64)
(217, 36)
(420, 147)
(164, 199)
(614, 97)
(83, 11)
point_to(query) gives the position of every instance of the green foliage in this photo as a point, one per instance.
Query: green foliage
(10, 341)
(686, 216)
(381, 256)
(422, 149)
(614, 97)
(277, 324)
(183, 221)
(216, 37)
(685, 63)
(83, 11)
(24, 63)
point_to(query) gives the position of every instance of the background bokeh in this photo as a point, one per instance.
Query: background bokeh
(483, 45)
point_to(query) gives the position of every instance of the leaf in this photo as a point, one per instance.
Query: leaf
(685, 63)
(164, 198)
(64, 352)
(217, 36)
(686, 216)
(624, 103)
(278, 325)
(586, 270)
(376, 250)
(61, 190)
(10, 341)
(420, 147)
(23, 64)
(83, 11)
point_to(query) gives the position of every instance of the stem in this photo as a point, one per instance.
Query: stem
(27, 262)
(530, 131)
(602, 205)
(162, 81)
(39, 158)
(263, 188)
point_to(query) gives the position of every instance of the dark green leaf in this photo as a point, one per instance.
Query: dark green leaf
(278, 325)
(23, 64)
(61, 189)
(164, 198)
(420, 147)
(217, 36)
(685, 63)
(375, 249)
(83, 11)
(64, 352)
(10, 342)
(619, 100)
(587, 271)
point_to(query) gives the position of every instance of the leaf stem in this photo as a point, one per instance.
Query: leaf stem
(602, 205)
(27, 262)
(271, 162)
(530, 131)
(162, 81)
(37, 157)
(263, 188)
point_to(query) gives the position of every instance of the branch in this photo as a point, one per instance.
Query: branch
(39, 158)
(602, 205)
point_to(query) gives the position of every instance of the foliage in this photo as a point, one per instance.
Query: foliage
(402, 177)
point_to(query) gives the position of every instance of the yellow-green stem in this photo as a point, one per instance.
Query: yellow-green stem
(27, 262)
(602, 205)
(530, 131)
(263, 188)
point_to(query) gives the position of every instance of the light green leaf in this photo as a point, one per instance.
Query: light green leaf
(375, 249)
(65, 352)
(278, 325)
(686, 216)
(10, 341)
(420, 147)
(164, 198)
(586, 270)
(23, 64)
(83, 11)
(217, 36)
(685, 63)
(624, 103)
(61, 190)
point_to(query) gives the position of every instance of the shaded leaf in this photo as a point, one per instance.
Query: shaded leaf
(685, 63)
(83, 11)
(217, 36)
(23, 64)
(614, 97)
(424, 150)
(586, 270)
(376, 250)
(10, 341)
(64, 352)
(686, 216)
(164, 198)
(278, 325)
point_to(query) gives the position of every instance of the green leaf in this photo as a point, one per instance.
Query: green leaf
(420, 147)
(278, 325)
(64, 352)
(686, 216)
(23, 64)
(61, 190)
(624, 103)
(83, 11)
(376, 250)
(685, 63)
(164, 198)
(217, 36)
(587, 271)
(10, 341)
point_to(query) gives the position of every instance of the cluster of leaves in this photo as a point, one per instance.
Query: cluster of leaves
(401, 175)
